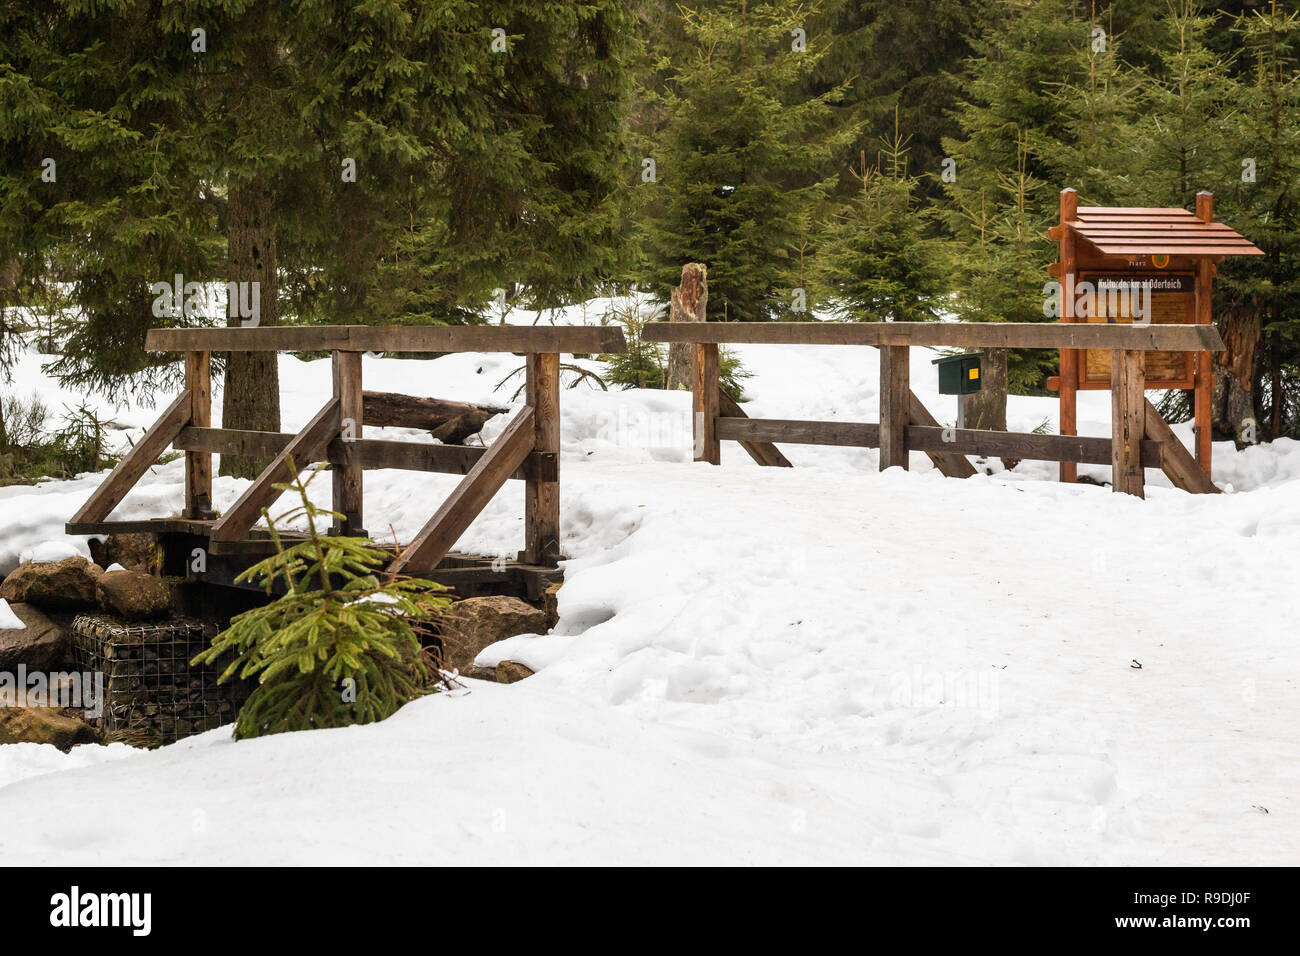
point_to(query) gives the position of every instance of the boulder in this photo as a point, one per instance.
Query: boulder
(136, 552)
(43, 725)
(474, 623)
(510, 671)
(42, 645)
(67, 585)
(551, 605)
(134, 595)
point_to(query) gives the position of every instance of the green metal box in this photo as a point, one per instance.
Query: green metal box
(959, 374)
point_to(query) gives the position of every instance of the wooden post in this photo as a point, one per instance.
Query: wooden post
(1069, 357)
(704, 395)
(895, 405)
(198, 464)
(1128, 421)
(542, 498)
(347, 481)
(1203, 396)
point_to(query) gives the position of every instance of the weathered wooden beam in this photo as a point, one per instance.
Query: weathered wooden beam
(346, 475)
(135, 462)
(372, 452)
(704, 403)
(198, 465)
(405, 338)
(1037, 335)
(765, 453)
(1175, 460)
(950, 464)
(991, 444)
(449, 422)
(895, 405)
(542, 498)
(1128, 421)
(470, 497)
(795, 432)
(304, 448)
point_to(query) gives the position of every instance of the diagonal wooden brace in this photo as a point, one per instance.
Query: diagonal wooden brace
(470, 497)
(1175, 460)
(136, 462)
(305, 447)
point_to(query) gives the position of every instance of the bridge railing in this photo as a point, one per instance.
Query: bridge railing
(1140, 437)
(527, 450)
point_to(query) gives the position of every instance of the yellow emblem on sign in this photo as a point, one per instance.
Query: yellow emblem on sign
(974, 373)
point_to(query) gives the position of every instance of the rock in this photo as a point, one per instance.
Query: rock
(43, 725)
(134, 595)
(510, 671)
(135, 552)
(67, 585)
(551, 604)
(474, 623)
(42, 645)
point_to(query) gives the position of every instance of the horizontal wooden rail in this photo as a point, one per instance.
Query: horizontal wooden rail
(791, 431)
(986, 335)
(991, 444)
(371, 452)
(933, 440)
(406, 338)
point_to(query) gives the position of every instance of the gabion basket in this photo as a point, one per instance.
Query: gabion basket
(152, 695)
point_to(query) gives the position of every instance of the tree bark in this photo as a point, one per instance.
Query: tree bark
(689, 304)
(449, 422)
(987, 408)
(251, 398)
(1234, 370)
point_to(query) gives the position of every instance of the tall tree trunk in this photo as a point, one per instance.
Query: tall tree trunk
(252, 386)
(689, 304)
(1234, 370)
(1275, 374)
(987, 408)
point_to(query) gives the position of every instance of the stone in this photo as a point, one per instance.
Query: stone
(43, 725)
(510, 671)
(135, 552)
(134, 595)
(67, 585)
(551, 604)
(42, 645)
(474, 623)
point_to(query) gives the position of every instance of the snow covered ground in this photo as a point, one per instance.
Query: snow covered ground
(824, 664)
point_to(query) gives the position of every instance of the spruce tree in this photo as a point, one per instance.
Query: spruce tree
(1266, 199)
(742, 157)
(878, 261)
(361, 163)
(1000, 193)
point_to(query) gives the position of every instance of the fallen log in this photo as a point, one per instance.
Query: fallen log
(449, 422)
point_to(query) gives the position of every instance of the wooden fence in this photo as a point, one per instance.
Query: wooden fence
(1140, 437)
(528, 449)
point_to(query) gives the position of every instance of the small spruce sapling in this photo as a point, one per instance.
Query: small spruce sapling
(339, 646)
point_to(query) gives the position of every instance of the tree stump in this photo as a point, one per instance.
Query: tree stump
(688, 304)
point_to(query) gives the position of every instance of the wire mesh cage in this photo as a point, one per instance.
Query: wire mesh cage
(152, 695)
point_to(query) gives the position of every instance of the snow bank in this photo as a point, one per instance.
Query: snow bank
(824, 664)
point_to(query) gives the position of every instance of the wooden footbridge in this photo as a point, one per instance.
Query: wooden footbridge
(528, 450)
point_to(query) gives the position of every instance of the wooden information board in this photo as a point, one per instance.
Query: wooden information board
(1172, 301)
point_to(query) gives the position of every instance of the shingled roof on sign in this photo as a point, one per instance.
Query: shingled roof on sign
(1142, 231)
